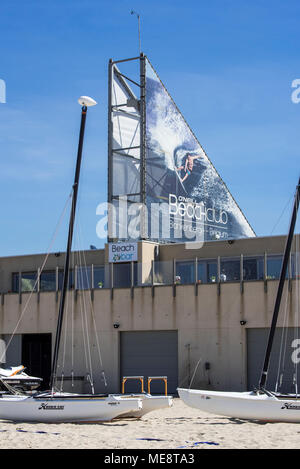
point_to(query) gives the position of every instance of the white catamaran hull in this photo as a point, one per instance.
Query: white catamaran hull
(150, 403)
(243, 405)
(65, 408)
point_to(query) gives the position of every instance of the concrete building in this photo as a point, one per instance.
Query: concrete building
(188, 314)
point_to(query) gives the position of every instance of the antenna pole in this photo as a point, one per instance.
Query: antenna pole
(138, 17)
(139, 33)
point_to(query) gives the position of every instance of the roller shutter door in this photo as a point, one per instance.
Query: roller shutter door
(149, 353)
(282, 350)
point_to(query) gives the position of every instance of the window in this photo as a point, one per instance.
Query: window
(70, 281)
(274, 267)
(253, 268)
(122, 275)
(185, 272)
(84, 277)
(212, 272)
(15, 283)
(230, 270)
(295, 265)
(99, 276)
(201, 272)
(48, 281)
(28, 282)
(207, 271)
(163, 272)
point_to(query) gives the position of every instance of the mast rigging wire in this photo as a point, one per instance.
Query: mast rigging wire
(39, 274)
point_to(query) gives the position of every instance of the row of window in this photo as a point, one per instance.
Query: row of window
(126, 274)
(52, 280)
(82, 278)
(232, 270)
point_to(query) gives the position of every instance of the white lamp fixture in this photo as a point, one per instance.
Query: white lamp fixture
(87, 101)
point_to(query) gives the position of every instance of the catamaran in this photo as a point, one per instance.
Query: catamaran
(59, 406)
(259, 404)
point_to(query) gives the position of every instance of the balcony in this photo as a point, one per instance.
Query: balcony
(157, 273)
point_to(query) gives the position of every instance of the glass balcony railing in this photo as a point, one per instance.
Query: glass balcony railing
(163, 273)
(154, 273)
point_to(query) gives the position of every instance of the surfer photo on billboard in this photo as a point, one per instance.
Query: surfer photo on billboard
(188, 166)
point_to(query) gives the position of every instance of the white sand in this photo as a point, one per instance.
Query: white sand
(172, 428)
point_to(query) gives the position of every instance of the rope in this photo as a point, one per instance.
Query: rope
(284, 335)
(282, 214)
(39, 274)
(85, 329)
(81, 277)
(94, 321)
(296, 238)
(282, 349)
(196, 368)
(64, 342)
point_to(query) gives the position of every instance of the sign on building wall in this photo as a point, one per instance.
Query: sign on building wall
(122, 252)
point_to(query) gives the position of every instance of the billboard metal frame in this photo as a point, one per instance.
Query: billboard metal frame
(120, 151)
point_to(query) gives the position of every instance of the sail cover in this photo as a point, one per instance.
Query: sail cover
(184, 197)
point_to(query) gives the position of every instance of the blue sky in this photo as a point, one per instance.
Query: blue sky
(228, 65)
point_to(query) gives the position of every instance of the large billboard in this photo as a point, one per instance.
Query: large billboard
(180, 174)
(177, 192)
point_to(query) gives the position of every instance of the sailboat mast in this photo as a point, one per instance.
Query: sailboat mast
(282, 278)
(69, 245)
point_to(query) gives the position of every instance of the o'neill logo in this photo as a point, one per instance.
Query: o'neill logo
(45, 406)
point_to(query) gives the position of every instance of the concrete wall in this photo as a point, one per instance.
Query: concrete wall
(212, 249)
(208, 327)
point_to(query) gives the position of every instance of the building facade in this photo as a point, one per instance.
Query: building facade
(197, 316)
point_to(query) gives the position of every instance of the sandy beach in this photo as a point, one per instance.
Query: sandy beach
(178, 427)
